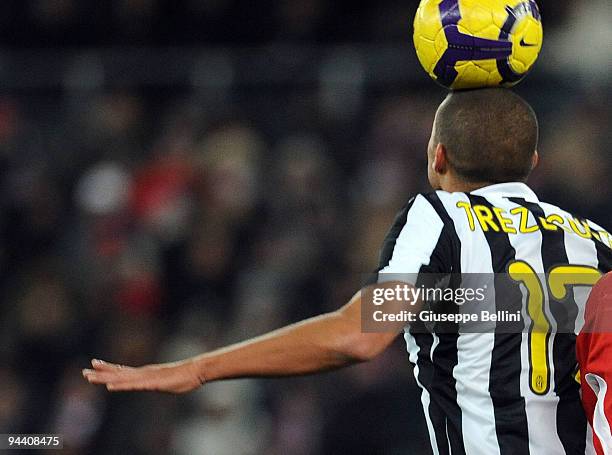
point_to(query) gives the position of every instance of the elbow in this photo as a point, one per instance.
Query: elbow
(351, 344)
(361, 349)
(359, 357)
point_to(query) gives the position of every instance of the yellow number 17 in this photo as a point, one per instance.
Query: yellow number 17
(560, 280)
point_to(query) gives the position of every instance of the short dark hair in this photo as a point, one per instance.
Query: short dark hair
(490, 135)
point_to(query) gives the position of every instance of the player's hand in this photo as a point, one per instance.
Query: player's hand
(178, 377)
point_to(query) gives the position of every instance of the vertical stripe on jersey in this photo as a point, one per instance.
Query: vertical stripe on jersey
(604, 253)
(445, 354)
(412, 245)
(473, 349)
(604, 257)
(570, 414)
(427, 379)
(505, 373)
(414, 352)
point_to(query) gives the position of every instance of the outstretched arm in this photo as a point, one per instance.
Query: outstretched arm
(329, 341)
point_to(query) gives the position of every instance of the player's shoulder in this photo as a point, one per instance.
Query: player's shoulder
(425, 202)
(574, 223)
(436, 198)
(436, 204)
(433, 208)
(439, 202)
(552, 208)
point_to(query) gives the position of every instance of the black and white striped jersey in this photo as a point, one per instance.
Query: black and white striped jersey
(499, 393)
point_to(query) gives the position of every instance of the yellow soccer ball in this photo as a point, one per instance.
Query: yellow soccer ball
(466, 44)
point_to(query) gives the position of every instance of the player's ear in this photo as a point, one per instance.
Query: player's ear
(440, 161)
(535, 160)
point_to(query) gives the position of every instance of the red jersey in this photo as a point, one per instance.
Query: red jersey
(594, 352)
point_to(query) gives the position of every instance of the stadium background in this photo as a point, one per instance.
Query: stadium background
(181, 175)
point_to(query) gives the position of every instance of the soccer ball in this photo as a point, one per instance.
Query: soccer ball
(466, 44)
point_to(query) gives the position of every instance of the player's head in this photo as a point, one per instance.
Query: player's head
(482, 137)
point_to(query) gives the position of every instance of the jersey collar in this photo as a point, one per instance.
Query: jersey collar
(510, 189)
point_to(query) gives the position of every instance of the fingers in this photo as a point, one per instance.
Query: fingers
(105, 366)
(104, 372)
(115, 377)
(163, 378)
(98, 377)
(114, 380)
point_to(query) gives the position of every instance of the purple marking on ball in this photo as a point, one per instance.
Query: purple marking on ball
(535, 11)
(463, 47)
(468, 47)
(449, 12)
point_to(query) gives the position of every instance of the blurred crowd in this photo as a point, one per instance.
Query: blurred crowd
(166, 22)
(146, 224)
